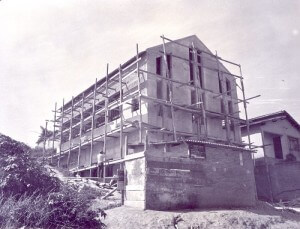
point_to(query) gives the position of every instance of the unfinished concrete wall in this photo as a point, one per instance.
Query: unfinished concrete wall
(283, 179)
(135, 179)
(180, 70)
(225, 178)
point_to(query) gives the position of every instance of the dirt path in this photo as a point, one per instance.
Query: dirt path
(262, 216)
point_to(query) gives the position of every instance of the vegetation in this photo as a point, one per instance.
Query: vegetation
(31, 197)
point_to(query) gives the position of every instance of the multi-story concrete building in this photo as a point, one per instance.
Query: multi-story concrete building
(276, 137)
(170, 118)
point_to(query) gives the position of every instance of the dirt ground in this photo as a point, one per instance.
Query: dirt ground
(261, 216)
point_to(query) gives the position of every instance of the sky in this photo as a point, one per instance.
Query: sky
(50, 50)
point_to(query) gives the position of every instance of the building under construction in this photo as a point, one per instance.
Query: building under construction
(169, 117)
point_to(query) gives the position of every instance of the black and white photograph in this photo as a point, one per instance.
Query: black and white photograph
(181, 114)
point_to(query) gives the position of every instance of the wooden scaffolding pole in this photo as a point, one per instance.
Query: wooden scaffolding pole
(140, 93)
(70, 132)
(170, 87)
(61, 131)
(80, 130)
(246, 112)
(223, 100)
(197, 84)
(106, 120)
(121, 112)
(92, 127)
(54, 129)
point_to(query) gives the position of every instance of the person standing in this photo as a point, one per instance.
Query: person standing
(100, 161)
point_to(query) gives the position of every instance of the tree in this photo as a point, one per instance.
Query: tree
(44, 135)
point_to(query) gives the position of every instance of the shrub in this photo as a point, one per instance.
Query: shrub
(19, 173)
(31, 197)
(64, 209)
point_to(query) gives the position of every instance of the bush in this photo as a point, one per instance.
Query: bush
(19, 173)
(31, 197)
(64, 209)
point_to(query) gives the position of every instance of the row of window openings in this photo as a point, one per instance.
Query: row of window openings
(113, 114)
(192, 77)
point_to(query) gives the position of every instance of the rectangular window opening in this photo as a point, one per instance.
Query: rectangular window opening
(220, 85)
(228, 87)
(193, 97)
(134, 104)
(159, 90)
(158, 65)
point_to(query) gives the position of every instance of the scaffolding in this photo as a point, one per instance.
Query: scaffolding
(96, 104)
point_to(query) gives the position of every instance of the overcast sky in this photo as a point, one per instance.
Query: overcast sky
(50, 50)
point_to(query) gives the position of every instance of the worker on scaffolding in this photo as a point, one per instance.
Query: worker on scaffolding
(100, 160)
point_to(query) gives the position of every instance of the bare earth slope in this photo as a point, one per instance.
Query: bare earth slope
(261, 216)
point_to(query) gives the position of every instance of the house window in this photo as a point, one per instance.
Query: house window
(230, 107)
(114, 114)
(160, 110)
(193, 97)
(159, 92)
(228, 87)
(197, 151)
(200, 69)
(222, 106)
(101, 120)
(191, 74)
(220, 85)
(168, 93)
(191, 58)
(134, 104)
(230, 123)
(277, 147)
(293, 144)
(158, 65)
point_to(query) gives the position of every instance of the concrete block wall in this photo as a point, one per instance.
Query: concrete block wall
(171, 180)
(283, 179)
(220, 180)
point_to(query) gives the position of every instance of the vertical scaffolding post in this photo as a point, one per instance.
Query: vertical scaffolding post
(170, 88)
(53, 137)
(61, 131)
(92, 127)
(224, 100)
(140, 93)
(197, 85)
(80, 130)
(245, 110)
(106, 121)
(70, 132)
(121, 112)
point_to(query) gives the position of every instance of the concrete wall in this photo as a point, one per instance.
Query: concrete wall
(182, 95)
(284, 180)
(225, 178)
(135, 180)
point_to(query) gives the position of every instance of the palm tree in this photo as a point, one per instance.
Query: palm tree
(44, 135)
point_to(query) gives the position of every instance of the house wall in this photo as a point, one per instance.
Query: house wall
(225, 178)
(171, 180)
(284, 129)
(180, 71)
(278, 179)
